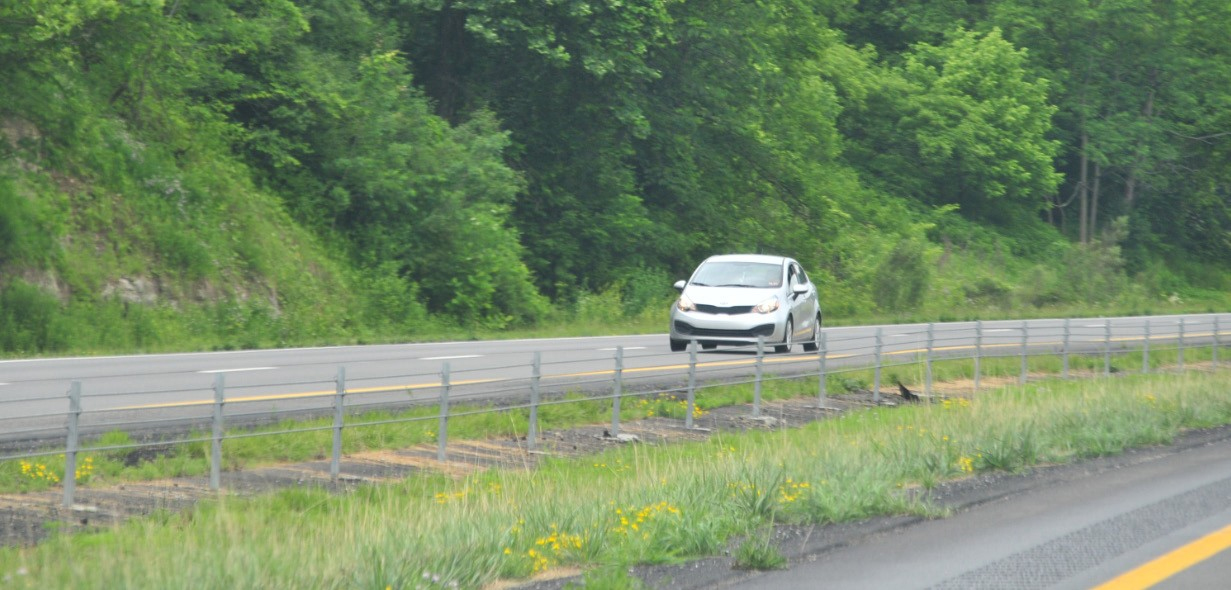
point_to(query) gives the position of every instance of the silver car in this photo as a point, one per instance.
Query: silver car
(734, 298)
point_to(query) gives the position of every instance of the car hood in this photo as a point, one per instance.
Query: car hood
(728, 296)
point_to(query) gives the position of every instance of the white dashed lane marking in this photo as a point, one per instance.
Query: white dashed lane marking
(239, 370)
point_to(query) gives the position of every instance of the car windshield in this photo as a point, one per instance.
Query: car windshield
(759, 275)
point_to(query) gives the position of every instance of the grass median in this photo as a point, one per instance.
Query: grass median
(630, 505)
(127, 460)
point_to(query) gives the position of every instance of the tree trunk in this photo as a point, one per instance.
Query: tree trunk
(1130, 186)
(1098, 174)
(1083, 194)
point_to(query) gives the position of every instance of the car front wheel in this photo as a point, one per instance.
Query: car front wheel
(678, 345)
(786, 344)
(815, 343)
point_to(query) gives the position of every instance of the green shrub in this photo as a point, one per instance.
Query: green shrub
(902, 279)
(23, 236)
(758, 552)
(31, 320)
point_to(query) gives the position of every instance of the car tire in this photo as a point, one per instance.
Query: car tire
(786, 344)
(709, 345)
(815, 343)
(678, 345)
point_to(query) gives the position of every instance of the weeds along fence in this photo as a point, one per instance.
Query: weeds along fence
(206, 411)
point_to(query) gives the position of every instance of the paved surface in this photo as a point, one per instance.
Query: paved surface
(1068, 527)
(133, 392)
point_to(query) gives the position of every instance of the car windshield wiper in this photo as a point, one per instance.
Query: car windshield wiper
(696, 284)
(737, 285)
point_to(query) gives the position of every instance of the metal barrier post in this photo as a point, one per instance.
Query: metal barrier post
(1145, 350)
(692, 382)
(619, 388)
(443, 430)
(532, 434)
(978, 350)
(1217, 343)
(1107, 347)
(335, 464)
(215, 455)
(927, 386)
(1181, 344)
(821, 385)
(876, 385)
(756, 386)
(1025, 335)
(70, 452)
(1064, 373)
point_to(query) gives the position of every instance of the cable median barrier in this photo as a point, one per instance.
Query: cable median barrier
(353, 400)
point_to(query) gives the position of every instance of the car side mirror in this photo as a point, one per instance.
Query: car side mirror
(680, 285)
(800, 288)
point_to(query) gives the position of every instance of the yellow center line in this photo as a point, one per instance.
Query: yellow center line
(305, 394)
(605, 372)
(1172, 563)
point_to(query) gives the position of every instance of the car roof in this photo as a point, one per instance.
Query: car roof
(766, 258)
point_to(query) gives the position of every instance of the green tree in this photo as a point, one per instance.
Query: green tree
(1141, 89)
(963, 123)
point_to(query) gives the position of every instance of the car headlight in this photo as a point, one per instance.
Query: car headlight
(768, 306)
(685, 304)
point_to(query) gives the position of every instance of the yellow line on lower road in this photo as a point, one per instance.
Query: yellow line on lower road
(1172, 563)
(322, 393)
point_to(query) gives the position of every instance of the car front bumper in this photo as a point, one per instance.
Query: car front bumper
(741, 328)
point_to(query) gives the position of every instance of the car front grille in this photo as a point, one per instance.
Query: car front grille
(687, 329)
(716, 310)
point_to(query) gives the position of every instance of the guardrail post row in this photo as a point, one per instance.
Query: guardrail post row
(876, 385)
(1181, 345)
(70, 450)
(335, 464)
(822, 352)
(1107, 347)
(978, 350)
(536, 375)
(927, 386)
(1025, 367)
(442, 434)
(619, 389)
(692, 382)
(215, 454)
(1068, 332)
(756, 386)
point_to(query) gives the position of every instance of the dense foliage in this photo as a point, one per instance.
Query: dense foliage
(244, 172)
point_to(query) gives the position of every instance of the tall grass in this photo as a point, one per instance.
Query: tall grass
(660, 504)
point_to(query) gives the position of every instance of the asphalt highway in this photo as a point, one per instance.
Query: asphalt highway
(141, 390)
(1154, 518)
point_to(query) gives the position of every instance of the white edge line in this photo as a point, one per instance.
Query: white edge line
(238, 370)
